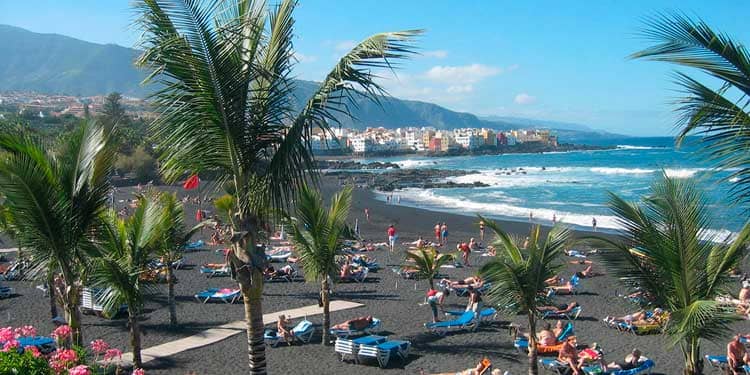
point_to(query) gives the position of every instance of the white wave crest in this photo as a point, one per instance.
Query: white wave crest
(608, 170)
(630, 147)
(414, 163)
(681, 173)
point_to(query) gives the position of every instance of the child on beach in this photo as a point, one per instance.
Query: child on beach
(438, 237)
(444, 234)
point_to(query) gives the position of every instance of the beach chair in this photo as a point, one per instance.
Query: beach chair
(302, 332)
(719, 362)
(358, 277)
(570, 315)
(212, 270)
(346, 333)
(554, 366)
(486, 314)
(219, 294)
(465, 321)
(645, 367)
(279, 254)
(350, 348)
(91, 302)
(194, 246)
(5, 291)
(371, 265)
(640, 329)
(288, 277)
(45, 345)
(522, 345)
(383, 352)
(575, 281)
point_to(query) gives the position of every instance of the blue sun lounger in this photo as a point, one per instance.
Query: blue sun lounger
(345, 333)
(465, 321)
(5, 291)
(383, 352)
(302, 332)
(485, 314)
(350, 348)
(218, 294)
(570, 315)
(215, 271)
(194, 246)
(645, 367)
(45, 344)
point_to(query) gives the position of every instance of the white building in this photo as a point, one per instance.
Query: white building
(469, 141)
(361, 144)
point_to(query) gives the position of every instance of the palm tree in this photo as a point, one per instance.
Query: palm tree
(57, 196)
(720, 115)
(517, 275)
(224, 106)
(427, 263)
(174, 236)
(317, 236)
(127, 247)
(677, 261)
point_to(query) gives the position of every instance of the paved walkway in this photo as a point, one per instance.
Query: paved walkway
(9, 250)
(225, 331)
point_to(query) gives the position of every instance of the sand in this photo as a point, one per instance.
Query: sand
(386, 296)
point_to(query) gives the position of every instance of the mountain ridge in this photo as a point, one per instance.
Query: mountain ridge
(59, 64)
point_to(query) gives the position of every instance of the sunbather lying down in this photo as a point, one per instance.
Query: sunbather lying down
(484, 367)
(474, 281)
(640, 317)
(354, 324)
(559, 309)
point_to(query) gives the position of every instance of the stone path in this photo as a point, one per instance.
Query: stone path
(222, 332)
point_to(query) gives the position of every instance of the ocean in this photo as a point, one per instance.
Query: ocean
(573, 186)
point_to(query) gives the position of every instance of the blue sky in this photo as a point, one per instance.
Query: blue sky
(552, 60)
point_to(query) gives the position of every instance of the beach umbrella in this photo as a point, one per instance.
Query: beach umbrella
(192, 182)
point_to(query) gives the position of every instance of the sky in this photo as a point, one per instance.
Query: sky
(550, 60)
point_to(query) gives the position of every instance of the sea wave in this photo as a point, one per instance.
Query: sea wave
(682, 173)
(630, 147)
(610, 170)
(427, 198)
(414, 163)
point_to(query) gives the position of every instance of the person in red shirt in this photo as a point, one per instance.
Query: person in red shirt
(392, 236)
(465, 249)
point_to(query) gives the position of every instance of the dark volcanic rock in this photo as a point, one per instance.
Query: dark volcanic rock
(355, 165)
(396, 179)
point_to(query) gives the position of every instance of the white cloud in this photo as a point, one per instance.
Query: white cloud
(302, 58)
(345, 45)
(462, 74)
(524, 98)
(438, 54)
(459, 89)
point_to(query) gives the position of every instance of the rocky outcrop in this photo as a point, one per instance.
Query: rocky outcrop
(354, 165)
(396, 179)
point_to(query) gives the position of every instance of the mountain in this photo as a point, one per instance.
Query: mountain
(52, 63)
(57, 64)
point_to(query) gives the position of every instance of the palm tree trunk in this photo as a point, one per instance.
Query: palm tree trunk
(693, 362)
(533, 365)
(325, 293)
(52, 294)
(170, 296)
(254, 320)
(70, 305)
(135, 337)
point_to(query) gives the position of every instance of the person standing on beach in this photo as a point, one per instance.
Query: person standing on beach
(387, 199)
(398, 199)
(438, 238)
(465, 250)
(367, 214)
(356, 226)
(392, 236)
(531, 216)
(554, 218)
(435, 298)
(593, 223)
(481, 230)
(444, 233)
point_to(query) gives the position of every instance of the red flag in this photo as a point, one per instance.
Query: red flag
(192, 182)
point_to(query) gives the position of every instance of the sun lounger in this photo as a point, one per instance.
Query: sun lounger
(554, 366)
(195, 245)
(487, 313)
(570, 315)
(346, 333)
(288, 277)
(646, 366)
(383, 352)
(719, 362)
(522, 345)
(358, 277)
(279, 254)
(372, 266)
(640, 329)
(5, 291)
(302, 332)
(465, 321)
(91, 301)
(350, 348)
(211, 270)
(219, 294)
(575, 281)
(45, 345)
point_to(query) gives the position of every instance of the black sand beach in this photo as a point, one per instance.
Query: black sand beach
(385, 295)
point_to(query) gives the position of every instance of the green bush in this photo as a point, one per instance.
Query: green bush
(13, 363)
